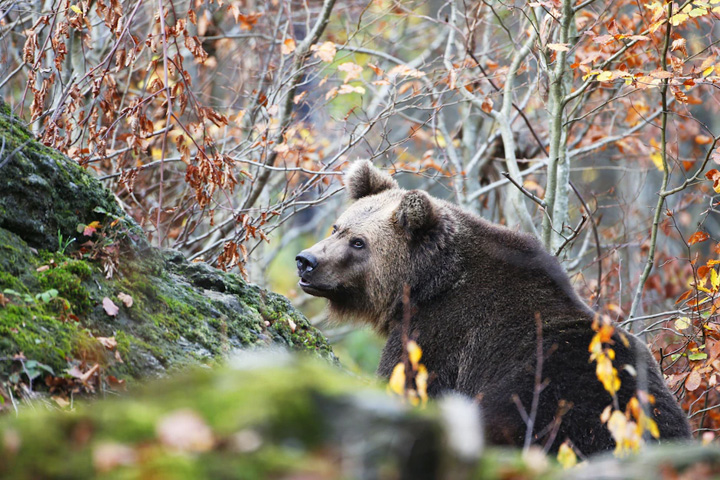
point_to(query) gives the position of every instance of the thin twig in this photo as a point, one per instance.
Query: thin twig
(525, 191)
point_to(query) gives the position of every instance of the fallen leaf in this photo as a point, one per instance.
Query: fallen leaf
(42, 268)
(186, 431)
(693, 381)
(62, 402)
(292, 324)
(110, 308)
(109, 342)
(126, 299)
(107, 456)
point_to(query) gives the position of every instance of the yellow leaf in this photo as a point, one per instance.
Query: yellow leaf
(697, 12)
(714, 280)
(421, 380)
(590, 74)
(350, 89)
(566, 456)
(677, 19)
(607, 374)
(76, 9)
(682, 323)
(708, 71)
(604, 76)
(414, 352)
(657, 160)
(652, 427)
(397, 379)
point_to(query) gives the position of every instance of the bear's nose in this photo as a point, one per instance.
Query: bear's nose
(306, 262)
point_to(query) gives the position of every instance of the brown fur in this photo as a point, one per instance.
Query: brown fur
(475, 291)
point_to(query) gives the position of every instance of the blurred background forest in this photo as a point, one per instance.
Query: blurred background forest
(223, 128)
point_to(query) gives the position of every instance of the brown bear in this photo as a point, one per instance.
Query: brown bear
(476, 291)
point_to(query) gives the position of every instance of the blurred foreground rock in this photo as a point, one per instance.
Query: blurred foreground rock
(86, 303)
(274, 416)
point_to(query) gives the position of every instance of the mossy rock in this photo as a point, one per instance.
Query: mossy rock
(56, 311)
(274, 415)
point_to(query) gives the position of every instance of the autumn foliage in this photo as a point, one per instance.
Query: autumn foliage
(223, 127)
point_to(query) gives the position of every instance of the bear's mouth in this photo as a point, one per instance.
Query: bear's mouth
(315, 290)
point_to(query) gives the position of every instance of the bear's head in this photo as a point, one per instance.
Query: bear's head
(386, 239)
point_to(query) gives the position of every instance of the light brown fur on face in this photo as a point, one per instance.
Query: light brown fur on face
(353, 280)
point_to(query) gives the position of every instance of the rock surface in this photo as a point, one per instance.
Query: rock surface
(67, 326)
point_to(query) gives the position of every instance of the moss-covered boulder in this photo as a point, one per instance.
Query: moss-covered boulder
(280, 417)
(86, 303)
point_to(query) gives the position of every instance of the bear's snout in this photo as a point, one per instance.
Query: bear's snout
(306, 262)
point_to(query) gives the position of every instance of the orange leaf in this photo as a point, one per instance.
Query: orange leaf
(698, 237)
(683, 296)
(288, 46)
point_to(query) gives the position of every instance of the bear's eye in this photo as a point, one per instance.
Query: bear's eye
(334, 230)
(357, 243)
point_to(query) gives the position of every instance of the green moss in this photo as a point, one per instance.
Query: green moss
(65, 280)
(38, 336)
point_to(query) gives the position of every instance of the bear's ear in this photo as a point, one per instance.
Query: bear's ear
(362, 179)
(416, 212)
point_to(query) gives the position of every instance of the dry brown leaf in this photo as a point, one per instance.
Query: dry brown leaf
(559, 47)
(353, 71)
(693, 381)
(186, 431)
(108, 342)
(126, 299)
(325, 52)
(110, 308)
(108, 455)
(288, 46)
